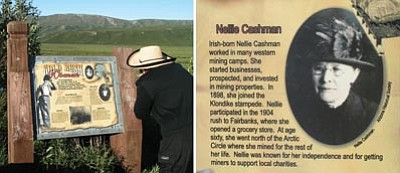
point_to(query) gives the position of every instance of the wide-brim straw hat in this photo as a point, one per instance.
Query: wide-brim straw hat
(149, 57)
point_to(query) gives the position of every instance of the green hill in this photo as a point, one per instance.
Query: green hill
(94, 29)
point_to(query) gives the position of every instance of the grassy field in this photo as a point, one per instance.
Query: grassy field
(184, 55)
(174, 36)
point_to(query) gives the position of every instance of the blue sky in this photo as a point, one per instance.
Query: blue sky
(123, 9)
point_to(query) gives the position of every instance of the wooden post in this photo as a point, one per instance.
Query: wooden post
(128, 145)
(19, 111)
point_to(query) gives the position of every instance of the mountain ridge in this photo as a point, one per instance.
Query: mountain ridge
(105, 21)
(97, 29)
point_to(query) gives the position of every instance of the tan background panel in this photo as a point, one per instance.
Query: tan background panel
(383, 140)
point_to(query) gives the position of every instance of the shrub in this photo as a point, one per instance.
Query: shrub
(70, 154)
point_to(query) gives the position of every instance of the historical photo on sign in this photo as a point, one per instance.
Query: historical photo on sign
(43, 101)
(89, 72)
(80, 115)
(334, 77)
(72, 94)
(104, 92)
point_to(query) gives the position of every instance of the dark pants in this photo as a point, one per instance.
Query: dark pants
(176, 152)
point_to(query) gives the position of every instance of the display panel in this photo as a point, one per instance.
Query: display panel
(76, 96)
(266, 101)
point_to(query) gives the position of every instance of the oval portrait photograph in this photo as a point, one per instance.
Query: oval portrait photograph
(104, 92)
(89, 72)
(334, 77)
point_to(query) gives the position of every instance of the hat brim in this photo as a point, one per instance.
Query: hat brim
(164, 60)
(364, 65)
(154, 65)
(348, 61)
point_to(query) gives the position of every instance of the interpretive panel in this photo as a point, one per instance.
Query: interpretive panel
(76, 96)
(294, 86)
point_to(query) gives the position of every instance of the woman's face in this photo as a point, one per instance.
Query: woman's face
(104, 92)
(332, 81)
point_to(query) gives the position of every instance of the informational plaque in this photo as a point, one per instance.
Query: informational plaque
(76, 96)
(295, 87)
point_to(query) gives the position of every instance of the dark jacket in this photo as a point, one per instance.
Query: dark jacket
(335, 126)
(166, 94)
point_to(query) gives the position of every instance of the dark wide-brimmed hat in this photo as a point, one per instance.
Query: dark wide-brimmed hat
(149, 57)
(335, 40)
(46, 77)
